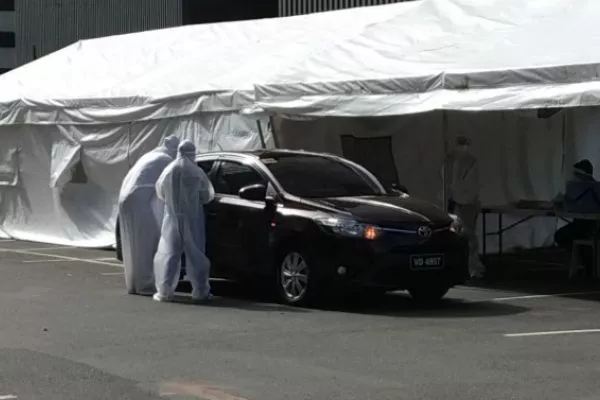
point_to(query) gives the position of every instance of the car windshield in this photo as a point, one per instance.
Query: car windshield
(319, 177)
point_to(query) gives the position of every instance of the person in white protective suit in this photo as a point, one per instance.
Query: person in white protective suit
(462, 187)
(140, 216)
(185, 189)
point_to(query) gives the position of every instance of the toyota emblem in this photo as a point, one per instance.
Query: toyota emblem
(424, 231)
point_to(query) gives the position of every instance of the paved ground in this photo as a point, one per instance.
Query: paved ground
(67, 331)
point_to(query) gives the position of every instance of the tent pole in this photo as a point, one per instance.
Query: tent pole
(445, 146)
(564, 144)
(260, 133)
(273, 133)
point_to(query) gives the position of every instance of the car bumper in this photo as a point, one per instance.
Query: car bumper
(389, 267)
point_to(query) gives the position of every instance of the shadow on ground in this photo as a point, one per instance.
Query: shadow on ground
(401, 305)
(234, 295)
(537, 272)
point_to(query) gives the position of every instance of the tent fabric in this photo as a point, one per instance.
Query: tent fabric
(59, 184)
(73, 123)
(169, 73)
(451, 54)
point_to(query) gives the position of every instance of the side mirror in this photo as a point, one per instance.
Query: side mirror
(255, 192)
(399, 189)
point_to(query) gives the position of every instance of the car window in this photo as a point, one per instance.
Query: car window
(319, 177)
(206, 165)
(233, 176)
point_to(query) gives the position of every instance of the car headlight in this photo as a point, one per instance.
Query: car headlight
(350, 228)
(457, 225)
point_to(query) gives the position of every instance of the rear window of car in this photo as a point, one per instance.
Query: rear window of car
(319, 177)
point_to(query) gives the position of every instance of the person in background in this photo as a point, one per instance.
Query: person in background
(579, 197)
(140, 215)
(185, 189)
(461, 174)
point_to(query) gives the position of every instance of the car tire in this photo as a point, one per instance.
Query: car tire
(118, 242)
(427, 294)
(295, 278)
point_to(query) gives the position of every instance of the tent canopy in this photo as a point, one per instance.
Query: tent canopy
(451, 54)
(169, 72)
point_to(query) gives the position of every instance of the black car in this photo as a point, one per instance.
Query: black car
(311, 222)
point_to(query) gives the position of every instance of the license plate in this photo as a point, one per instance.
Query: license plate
(428, 261)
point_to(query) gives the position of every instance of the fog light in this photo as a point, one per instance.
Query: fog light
(342, 271)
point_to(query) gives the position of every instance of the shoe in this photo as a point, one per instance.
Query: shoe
(162, 298)
(202, 300)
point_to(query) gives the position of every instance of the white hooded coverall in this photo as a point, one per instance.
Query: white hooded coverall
(140, 215)
(462, 174)
(185, 189)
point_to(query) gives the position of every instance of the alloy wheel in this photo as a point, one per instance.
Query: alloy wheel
(294, 277)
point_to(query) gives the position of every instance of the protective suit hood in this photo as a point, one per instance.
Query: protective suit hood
(169, 146)
(187, 150)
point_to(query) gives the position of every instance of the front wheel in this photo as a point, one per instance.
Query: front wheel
(428, 293)
(294, 279)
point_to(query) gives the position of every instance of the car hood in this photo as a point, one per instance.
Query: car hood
(390, 211)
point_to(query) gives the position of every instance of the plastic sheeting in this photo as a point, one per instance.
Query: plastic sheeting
(454, 55)
(69, 176)
(9, 167)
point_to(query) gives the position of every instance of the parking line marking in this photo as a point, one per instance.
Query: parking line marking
(542, 296)
(39, 248)
(549, 333)
(8, 397)
(112, 273)
(106, 259)
(56, 256)
(45, 261)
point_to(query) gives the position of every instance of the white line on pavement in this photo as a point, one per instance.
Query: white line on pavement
(56, 256)
(8, 397)
(107, 259)
(542, 296)
(112, 273)
(549, 333)
(45, 261)
(39, 248)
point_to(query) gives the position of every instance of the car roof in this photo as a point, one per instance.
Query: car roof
(265, 153)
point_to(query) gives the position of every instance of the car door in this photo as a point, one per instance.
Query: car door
(241, 225)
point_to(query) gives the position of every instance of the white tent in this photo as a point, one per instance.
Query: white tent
(72, 123)
(455, 55)
(501, 57)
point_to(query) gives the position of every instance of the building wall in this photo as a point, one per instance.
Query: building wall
(206, 11)
(297, 7)
(7, 35)
(44, 26)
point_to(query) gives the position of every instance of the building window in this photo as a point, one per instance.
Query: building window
(7, 39)
(7, 5)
